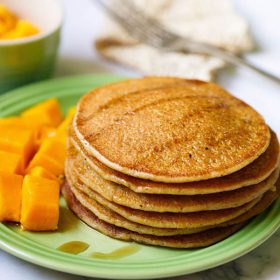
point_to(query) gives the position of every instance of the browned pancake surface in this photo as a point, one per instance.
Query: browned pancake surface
(179, 241)
(253, 173)
(173, 134)
(76, 170)
(109, 216)
(166, 219)
(267, 199)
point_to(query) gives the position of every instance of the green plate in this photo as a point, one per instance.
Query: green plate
(149, 262)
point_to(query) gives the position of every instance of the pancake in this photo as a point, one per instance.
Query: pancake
(205, 238)
(74, 170)
(111, 217)
(251, 174)
(166, 219)
(209, 133)
(103, 95)
(268, 198)
(114, 218)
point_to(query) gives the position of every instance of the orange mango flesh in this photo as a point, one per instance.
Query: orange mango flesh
(63, 127)
(51, 156)
(40, 131)
(9, 121)
(12, 28)
(55, 149)
(10, 163)
(10, 197)
(42, 172)
(18, 140)
(46, 132)
(23, 28)
(18, 122)
(45, 113)
(7, 20)
(62, 130)
(41, 159)
(40, 204)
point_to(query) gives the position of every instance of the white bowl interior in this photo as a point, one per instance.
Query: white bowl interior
(45, 14)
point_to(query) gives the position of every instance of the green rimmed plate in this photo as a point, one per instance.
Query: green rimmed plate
(149, 262)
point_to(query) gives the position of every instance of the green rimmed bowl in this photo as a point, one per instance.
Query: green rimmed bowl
(31, 58)
(149, 262)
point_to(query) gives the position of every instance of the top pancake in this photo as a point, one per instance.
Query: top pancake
(251, 174)
(175, 133)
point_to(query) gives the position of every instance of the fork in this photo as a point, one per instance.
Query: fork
(148, 30)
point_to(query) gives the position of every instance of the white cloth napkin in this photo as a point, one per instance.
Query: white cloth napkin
(210, 21)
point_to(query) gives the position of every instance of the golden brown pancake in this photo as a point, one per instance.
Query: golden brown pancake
(267, 199)
(168, 161)
(179, 241)
(251, 174)
(111, 217)
(75, 171)
(208, 134)
(103, 95)
(166, 219)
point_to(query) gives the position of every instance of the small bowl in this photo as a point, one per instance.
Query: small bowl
(30, 59)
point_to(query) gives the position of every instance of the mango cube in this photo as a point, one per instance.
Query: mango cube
(63, 127)
(55, 149)
(18, 140)
(10, 163)
(9, 121)
(45, 132)
(40, 204)
(17, 122)
(42, 159)
(10, 197)
(45, 113)
(51, 156)
(42, 172)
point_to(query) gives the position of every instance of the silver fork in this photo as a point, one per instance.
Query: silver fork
(149, 31)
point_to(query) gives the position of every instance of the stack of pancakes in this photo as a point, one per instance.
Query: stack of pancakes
(168, 161)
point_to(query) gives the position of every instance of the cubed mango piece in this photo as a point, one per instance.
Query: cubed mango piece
(45, 132)
(51, 156)
(10, 197)
(18, 140)
(39, 171)
(55, 149)
(62, 130)
(47, 113)
(10, 163)
(37, 125)
(18, 122)
(9, 121)
(71, 111)
(63, 127)
(40, 204)
(42, 159)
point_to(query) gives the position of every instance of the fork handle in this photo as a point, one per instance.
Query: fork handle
(226, 56)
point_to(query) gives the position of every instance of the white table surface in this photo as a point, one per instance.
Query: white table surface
(83, 20)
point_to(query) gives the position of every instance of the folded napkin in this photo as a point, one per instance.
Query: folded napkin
(210, 21)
